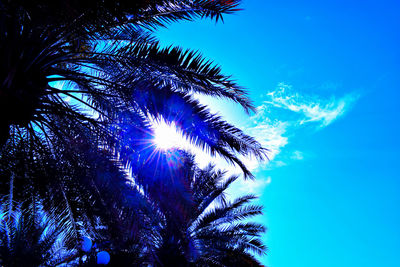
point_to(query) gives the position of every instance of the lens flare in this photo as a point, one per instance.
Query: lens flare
(166, 135)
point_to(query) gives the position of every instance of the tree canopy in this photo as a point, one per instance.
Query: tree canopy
(81, 83)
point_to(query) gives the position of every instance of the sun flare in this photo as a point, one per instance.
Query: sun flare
(166, 135)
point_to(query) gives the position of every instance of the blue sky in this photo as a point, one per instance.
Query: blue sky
(325, 76)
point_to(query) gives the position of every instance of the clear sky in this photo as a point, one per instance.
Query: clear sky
(326, 78)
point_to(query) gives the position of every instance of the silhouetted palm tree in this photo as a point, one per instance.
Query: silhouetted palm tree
(199, 226)
(117, 76)
(30, 237)
(177, 216)
(87, 185)
(221, 226)
(82, 150)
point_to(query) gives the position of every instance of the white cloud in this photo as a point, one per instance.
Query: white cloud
(297, 155)
(272, 127)
(311, 108)
(248, 186)
(275, 124)
(270, 135)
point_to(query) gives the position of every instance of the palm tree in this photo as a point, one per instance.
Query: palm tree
(228, 237)
(175, 214)
(118, 78)
(199, 226)
(87, 185)
(81, 149)
(30, 237)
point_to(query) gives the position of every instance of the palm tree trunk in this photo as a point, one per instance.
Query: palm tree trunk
(11, 194)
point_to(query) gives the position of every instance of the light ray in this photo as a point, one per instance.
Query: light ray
(167, 136)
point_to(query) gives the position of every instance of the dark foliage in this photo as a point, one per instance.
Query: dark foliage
(199, 226)
(80, 84)
(113, 71)
(30, 237)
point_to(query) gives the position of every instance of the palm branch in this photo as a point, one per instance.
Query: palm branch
(89, 186)
(114, 71)
(31, 237)
(200, 225)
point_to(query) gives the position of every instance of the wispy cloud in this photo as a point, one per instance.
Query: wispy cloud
(297, 155)
(312, 108)
(255, 187)
(270, 135)
(281, 115)
(276, 123)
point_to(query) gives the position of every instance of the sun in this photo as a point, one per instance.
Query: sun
(166, 135)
